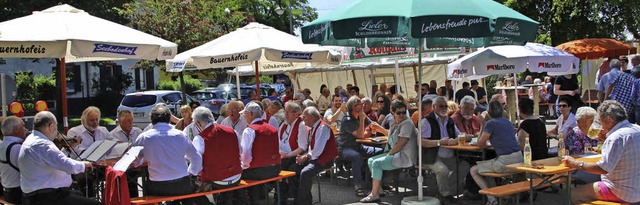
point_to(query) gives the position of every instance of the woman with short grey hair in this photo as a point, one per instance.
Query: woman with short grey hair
(577, 139)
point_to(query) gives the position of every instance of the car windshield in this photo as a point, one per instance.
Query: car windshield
(204, 95)
(138, 100)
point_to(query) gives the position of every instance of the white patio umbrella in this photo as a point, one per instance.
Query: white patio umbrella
(499, 60)
(72, 35)
(247, 45)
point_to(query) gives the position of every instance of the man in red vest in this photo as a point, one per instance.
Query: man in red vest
(220, 150)
(294, 141)
(259, 152)
(323, 149)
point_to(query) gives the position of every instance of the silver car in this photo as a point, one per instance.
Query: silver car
(140, 104)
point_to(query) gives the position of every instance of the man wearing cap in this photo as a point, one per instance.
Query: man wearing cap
(259, 152)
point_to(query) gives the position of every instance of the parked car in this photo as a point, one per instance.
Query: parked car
(264, 90)
(279, 87)
(214, 98)
(141, 103)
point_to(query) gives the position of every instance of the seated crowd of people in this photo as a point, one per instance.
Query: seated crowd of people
(257, 140)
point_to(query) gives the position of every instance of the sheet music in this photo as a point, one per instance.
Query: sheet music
(128, 158)
(101, 150)
(118, 150)
(90, 149)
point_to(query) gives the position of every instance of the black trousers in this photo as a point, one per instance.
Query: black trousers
(289, 187)
(60, 196)
(260, 173)
(176, 187)
(230, 197)
(13, 195)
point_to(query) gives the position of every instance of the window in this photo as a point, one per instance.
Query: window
(138, 100)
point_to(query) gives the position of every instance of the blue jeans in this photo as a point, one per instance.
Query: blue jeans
(354, 155)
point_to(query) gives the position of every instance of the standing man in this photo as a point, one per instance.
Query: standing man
(465, 91)
(14, 134)
(220, 149)
(235, 120)
(125, 131)
(352, 128)
(608, 78)
(438, 130)
(321, 153)
(259, 152)
(618, 166)
(433, 87)
(480, 95)
(165, 150)
(324, 100)
(45, 172)
(294, 141)
(87, 133)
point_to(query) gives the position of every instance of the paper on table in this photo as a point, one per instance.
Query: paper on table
(127, 159)
(118, 150)
(379, 139)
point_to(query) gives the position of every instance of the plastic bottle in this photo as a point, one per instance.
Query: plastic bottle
(191, 133)
(527, 153)
(561, 148)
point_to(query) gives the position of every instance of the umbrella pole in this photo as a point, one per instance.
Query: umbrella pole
(515, 89)
(62, 75)
(183, 88)
(370, 83)
(420, 179)
(238, 83)
(257, 81)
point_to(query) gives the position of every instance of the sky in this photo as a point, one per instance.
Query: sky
(325, 6)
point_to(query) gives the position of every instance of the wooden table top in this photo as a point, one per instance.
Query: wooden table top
(465, 147)
(552, 165)
(371, 142)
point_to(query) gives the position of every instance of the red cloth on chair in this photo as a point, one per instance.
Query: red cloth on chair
(116, 191)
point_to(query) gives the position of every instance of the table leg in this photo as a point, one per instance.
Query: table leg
(569, 188)
(530, 188)
(457, 174)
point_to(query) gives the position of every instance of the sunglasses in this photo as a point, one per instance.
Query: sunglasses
(380, 101)
(563, 105)
(401, 112)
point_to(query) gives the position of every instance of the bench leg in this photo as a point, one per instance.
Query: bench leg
(319, 191)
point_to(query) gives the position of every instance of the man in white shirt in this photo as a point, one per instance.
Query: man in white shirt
(221, 162)
(235, 120)
(294, 141)
(14, 134)
(323, 149)
(45, 172)
(165, 150)
(324, 100)
(86, 134)
(127, 133)
(259, 149)
(334, 115)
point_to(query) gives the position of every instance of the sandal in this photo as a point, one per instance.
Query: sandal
(370, 199)
(361, 193)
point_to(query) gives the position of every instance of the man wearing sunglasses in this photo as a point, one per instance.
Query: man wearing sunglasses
(352, 128)
(439, 130)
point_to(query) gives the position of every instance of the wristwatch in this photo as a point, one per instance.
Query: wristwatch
(580, 165)
(437, 145)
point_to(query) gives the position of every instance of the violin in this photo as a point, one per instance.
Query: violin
(62, 141)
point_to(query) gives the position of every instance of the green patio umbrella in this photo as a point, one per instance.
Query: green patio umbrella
(440, 23)
(469, 23)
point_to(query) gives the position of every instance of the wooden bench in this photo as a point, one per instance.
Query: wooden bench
(243, 184)
(598, 202)
(2, 201)
(519, 187)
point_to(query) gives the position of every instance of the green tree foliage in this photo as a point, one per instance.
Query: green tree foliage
(567, 20)
(190, 83)
(110, 90)
(32, 88)
(11, 9)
